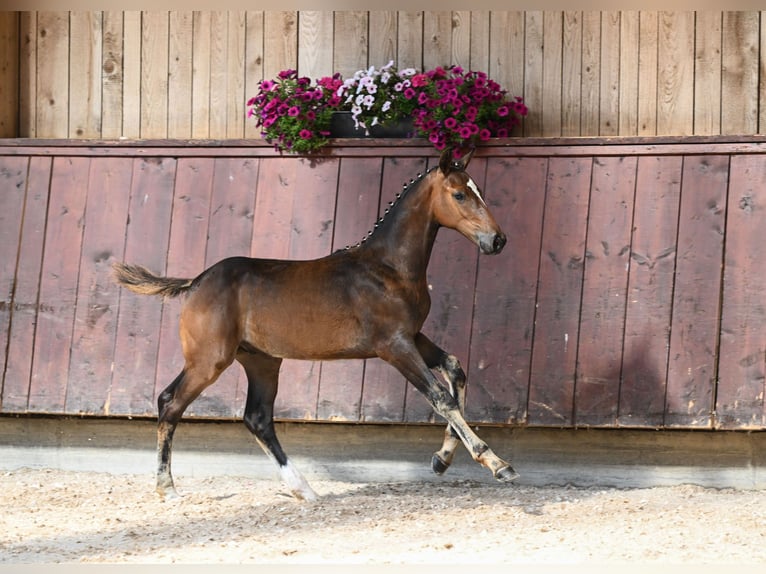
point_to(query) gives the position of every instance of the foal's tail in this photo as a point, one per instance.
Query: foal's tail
(140, 280)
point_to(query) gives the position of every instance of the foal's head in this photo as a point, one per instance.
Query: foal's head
(456, 202)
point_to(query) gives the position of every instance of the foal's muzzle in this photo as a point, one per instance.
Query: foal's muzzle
(492, 243)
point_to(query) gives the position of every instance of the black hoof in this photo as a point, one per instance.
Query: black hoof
(438, 465)
(506, 474)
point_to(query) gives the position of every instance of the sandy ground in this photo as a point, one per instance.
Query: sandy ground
(88, 517)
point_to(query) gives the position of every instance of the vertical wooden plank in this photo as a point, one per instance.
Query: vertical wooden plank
(201, 46)
(506, 51)
(553, 38)
(280, 32)
(628, 99)
(385, 389)
(26, 299)
(675, 74)
(533, 72)
(591, 73)
(85, 65)
(58, 285)
(609, 92)
(273, 208)
(235, 65)
(218, 74)
(461, 40)
(437, 39)
(139, 316)
(480, 40)
(506, 289)
(648, 42)
(562, 259)
(154, 75)
(186, 255)
(13, 181)
(739, 76)
(253, 64)
(112, 75)
(52, 98)
(409, 51)
(650, 291)
(741, 371)
(382, 40)
(9, 74)
(311, 229)
(28, 75)
(762, 76)
(131, 74)
(707, 73)
(315, 41)
(341, 384)
(350, 42)
(229, 232)
(605, 286)
(98, 296)
(692, 374)
(180, 74)
(571, 103)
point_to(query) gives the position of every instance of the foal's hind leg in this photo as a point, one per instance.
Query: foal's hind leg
(262, 380)
(449, 366)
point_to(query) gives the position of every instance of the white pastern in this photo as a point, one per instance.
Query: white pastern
(475, 189)
(296, 483)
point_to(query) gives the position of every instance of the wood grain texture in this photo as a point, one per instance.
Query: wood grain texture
(85, 52)
(707, 73)
(9, 74)
(154, 74)
(180, 51)
(739, 72)
(51, 99)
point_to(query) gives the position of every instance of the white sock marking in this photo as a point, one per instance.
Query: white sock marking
(296, 483)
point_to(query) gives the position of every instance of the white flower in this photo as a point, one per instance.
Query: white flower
(386, 106)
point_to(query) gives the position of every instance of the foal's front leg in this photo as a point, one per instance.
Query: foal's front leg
(405, 356)
(449, 367)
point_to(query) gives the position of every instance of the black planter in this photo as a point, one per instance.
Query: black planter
(342, 126)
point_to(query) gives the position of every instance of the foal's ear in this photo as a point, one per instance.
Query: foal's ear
(448, 163)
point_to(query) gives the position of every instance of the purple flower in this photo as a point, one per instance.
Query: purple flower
(294, 112)
(305, 134)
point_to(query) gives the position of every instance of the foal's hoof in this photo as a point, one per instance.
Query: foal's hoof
(506, 474)
(438, 464)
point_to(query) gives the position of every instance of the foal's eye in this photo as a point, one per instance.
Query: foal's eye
(459, 196)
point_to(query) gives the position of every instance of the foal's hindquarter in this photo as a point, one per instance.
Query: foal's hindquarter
(370, 300)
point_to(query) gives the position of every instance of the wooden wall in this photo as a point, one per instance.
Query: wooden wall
(188, 74)
(629, 293)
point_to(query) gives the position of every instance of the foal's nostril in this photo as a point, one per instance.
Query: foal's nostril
(498, 243)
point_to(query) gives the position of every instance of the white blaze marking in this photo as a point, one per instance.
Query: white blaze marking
(473, 187)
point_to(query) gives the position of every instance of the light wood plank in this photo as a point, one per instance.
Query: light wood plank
(707, 73)
(131, 86)
(675, 69)
(628, 99)
(350, 41)
(553, 23)
(739, 78)
(85, 52)
(591, 73)
(9, 74)
(235, 65)
(180, 75)
(461, 40)
(383, 26)
(480, 38)
(437, 39)
(281, 41)
(315, 56)
(533, 72)
(28, 75)
(410, 40)
(647, 73)
(571, 70)
(609, 93)
(52, 98)
(506, 53)
(201, 75)
(112, 75)
(219, 23)
(253, 64)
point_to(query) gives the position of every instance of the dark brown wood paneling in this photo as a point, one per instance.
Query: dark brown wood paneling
(506, 290)
(139, 317)
(58, 284)
(97, 295)
(186, 255)
(13, 187)
(358, 196)
(650, 291)
(605, 284)
(385, 389)
(697, 293)
(21, 343)
(562, 260)
(740, 400)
